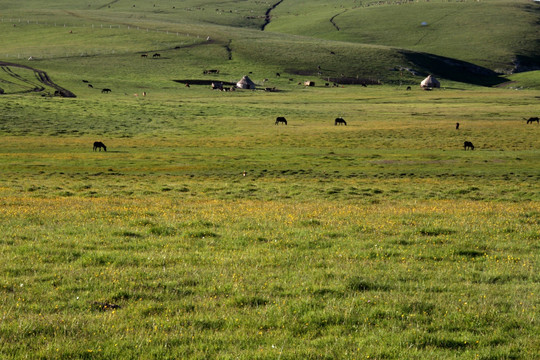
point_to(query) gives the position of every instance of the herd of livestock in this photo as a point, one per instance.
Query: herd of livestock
(98, 145)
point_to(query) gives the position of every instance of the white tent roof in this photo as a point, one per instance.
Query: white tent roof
(431, 82)
(245, 83)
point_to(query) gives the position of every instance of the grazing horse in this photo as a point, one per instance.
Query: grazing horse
(409, 88)
(340, 121)
(99, 145)
(103, 91)
(281, 119)
(457, 126)
(468, 144)
(144, 55)
(156, 55)
(533, 119)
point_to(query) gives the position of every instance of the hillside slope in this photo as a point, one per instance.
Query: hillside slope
(337, 41)
(501, 35)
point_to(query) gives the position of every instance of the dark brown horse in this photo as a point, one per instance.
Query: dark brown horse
(99, 145)
(533, 119)
(281, 119)
(340, 121)
(468, 144)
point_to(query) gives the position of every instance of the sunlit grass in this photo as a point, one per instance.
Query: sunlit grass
(206, 231)
(281, 277)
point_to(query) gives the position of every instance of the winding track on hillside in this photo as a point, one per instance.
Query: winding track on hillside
(108, 4)
(41, 76)
(334, 17)
(267, 16)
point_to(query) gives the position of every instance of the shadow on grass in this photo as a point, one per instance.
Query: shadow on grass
(453, 69)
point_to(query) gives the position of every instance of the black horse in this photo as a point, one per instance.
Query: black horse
(533, 119)
(104, 91)
(281, 119)
(99, 145)
(468, 144)
(340, 121)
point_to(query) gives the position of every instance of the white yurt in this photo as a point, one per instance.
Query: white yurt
(430, 82)
(245, 83)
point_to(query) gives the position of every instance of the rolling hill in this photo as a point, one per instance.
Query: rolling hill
(346, 41)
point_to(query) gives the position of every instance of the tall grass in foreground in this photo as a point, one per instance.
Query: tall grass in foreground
(169, 276)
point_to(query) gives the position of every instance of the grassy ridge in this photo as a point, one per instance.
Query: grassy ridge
(504, 31)
(500, 41)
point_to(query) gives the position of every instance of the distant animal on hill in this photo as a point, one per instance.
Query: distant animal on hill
(468, 145)
(104, 91)
(533, 119)
(213, 71)
(281, 119)
(85, 81)
(156, 55)
(99, 145)
(144, 55)
(90, 86)
(340, 121)
(409, 88)
(457, 126)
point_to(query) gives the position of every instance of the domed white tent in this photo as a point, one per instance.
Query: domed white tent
(245, 83)
(430, 82)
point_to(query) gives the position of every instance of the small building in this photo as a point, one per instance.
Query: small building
(430, 82)
(246, 83)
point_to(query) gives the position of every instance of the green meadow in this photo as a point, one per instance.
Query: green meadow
(205, 231)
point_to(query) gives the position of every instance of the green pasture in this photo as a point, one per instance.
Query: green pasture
(382, 238)
(205, 231)
(452, 29)
(300, 36)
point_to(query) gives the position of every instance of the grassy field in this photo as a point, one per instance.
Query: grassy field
(506, 31)
(383, 238)
(205, 231)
